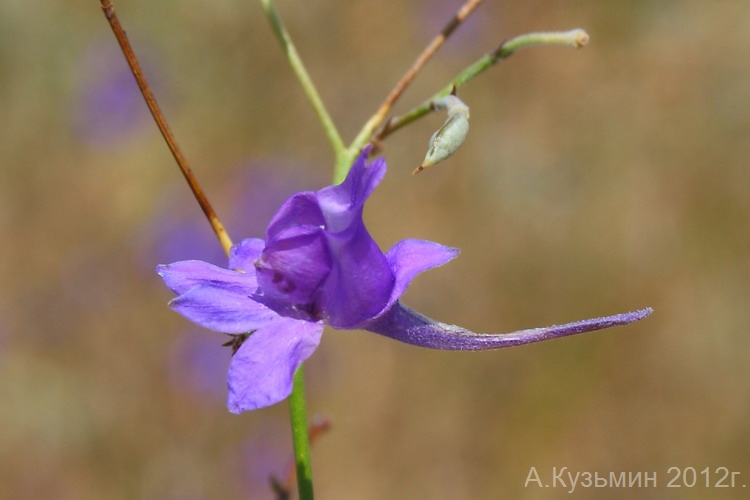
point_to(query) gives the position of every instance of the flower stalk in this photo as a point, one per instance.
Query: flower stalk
(300, 437)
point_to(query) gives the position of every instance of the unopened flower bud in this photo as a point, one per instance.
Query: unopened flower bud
(450, 135)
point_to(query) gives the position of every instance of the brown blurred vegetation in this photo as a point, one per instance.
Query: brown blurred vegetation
(593, 182)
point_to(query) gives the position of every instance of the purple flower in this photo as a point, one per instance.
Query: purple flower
(109, 107)
(320, 265)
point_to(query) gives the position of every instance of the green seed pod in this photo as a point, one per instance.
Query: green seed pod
(450, 135)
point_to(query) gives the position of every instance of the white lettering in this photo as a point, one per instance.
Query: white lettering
(617, 481)
(557, 476)
(532, 476)
(634, 479)
(573, 480)
(600, 482)
(587, 480)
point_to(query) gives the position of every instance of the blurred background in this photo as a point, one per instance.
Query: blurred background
(593, 182)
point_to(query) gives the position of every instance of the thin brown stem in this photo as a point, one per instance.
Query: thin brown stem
(161, 122)
(377, 119)
(428, 52)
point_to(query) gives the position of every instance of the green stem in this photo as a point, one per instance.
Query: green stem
(365, 134)
(344, 163)
(300, 437)
(304, 78)
(574, 38)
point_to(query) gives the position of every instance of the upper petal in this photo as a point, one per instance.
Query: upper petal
(262, 370)
(405, 325)
(342, 204)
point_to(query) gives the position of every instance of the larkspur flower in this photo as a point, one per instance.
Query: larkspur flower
(108, 110)
(319, 265)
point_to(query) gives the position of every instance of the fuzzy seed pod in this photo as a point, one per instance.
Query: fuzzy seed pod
(450, 135)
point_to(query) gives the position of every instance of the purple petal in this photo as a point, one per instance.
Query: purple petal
(242, 256)
(294, 264)
(410, 257)
(221, 309)
(405, 325)
(300, 210)
(262, 370)
(215, 298)
(182, 276)
(343, 204)
(360, 281)
(319, 257)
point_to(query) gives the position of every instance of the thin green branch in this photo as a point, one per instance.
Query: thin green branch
(574, 38)
(304, 78)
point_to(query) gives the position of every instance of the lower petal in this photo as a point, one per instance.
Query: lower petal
(405, 325)
(222, 309)
(262, 370)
